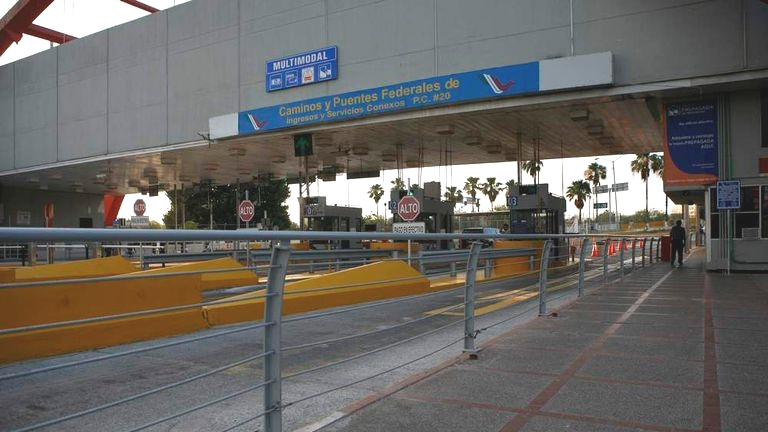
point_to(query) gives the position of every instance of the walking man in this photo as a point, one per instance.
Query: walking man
(677, 235)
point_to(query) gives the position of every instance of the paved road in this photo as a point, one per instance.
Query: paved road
(37, 398)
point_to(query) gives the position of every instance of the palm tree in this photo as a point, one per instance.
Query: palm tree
(508, 186)
(376, 192)
(471, 187)
(398, 184)
(491, 188)
(594, 173)
(533, 167)
(644, 164)
(657, 166)
(577, 192)
(453, 195)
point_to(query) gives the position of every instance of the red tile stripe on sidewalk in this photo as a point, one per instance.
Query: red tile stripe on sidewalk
(538, 402)
(711, 415)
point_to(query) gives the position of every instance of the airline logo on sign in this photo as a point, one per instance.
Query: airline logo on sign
(408, 208)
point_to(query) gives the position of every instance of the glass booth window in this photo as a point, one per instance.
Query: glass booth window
(748, 215)
(764, 213)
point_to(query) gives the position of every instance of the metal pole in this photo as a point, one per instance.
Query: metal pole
(273, 308)
(543, 278)
(650, 252)
(582, 264)
(634, 242)
(621, 259)
(617, 218)
(409, 250)
(642, 254)
(469, 299)
(141, 256)
(605, 260)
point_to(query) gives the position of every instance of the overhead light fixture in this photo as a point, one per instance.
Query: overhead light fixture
(43, 186)
(55, 177)
(99, 179)
(606, 141)
(473, 139)
(168, 159)
(595, 127)
(580, 114)
(278, 159)
(184, 178)
(236, 151)
(134, 183)
(493, 148)
(33, 180)
(210, 166)
(150, 172)
(322, 141)
(78, 189)
(360, 150)
(243, 171)
(446, 129)
(412, 163)
(389, 157)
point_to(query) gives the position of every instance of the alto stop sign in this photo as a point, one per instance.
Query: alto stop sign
(408, 208)
(139, 207)
(246, 210)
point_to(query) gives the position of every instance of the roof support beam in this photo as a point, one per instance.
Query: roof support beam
(48, 34)
(140, 5)
(18, 19)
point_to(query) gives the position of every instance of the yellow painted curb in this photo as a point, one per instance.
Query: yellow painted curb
(218, 280)
(97, 267)
(66, 301)
(48, 342)
(378, 285)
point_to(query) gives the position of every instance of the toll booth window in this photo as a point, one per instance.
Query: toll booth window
(747, 216)
(764, 213)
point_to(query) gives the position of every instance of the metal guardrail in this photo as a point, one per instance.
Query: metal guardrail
(592, 263)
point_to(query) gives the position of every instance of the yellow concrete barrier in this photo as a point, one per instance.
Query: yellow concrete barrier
(97, 267)
(60, 340)
(66, 301)
(378, 284)
(517, 265)
(218, 280)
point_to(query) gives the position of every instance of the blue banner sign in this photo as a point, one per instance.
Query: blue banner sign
(302, 69)
(692, 137)
(447, 89)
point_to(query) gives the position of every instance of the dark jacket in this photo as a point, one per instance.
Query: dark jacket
(677, 234)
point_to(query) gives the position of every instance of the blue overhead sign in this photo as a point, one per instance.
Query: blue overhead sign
(302, 69)
(447, 89)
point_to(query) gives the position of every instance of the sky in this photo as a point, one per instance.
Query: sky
(83, 17)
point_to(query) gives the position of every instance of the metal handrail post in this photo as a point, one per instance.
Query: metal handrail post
(634, 243)
(582, 264)
(141, 256)
(452, 264)
(642, 254)
(621, 259)
(273, 309)
(650, 252)
(658, 250)
(543, 277)
(469, 299)
(605, 260)
(421, 262)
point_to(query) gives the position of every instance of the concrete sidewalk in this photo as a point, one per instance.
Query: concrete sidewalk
(666, 350)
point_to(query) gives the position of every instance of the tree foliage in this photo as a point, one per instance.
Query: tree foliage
(491, 188)
(269, 196)
(577, 192)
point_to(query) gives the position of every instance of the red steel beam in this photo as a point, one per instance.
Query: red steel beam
(140, 5)
(18, 19)
(48, 34)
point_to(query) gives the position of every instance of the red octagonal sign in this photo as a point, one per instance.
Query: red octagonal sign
(139, 207)
(246, 210)
(408, 208)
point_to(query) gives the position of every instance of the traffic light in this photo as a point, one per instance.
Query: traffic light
(302, 145)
